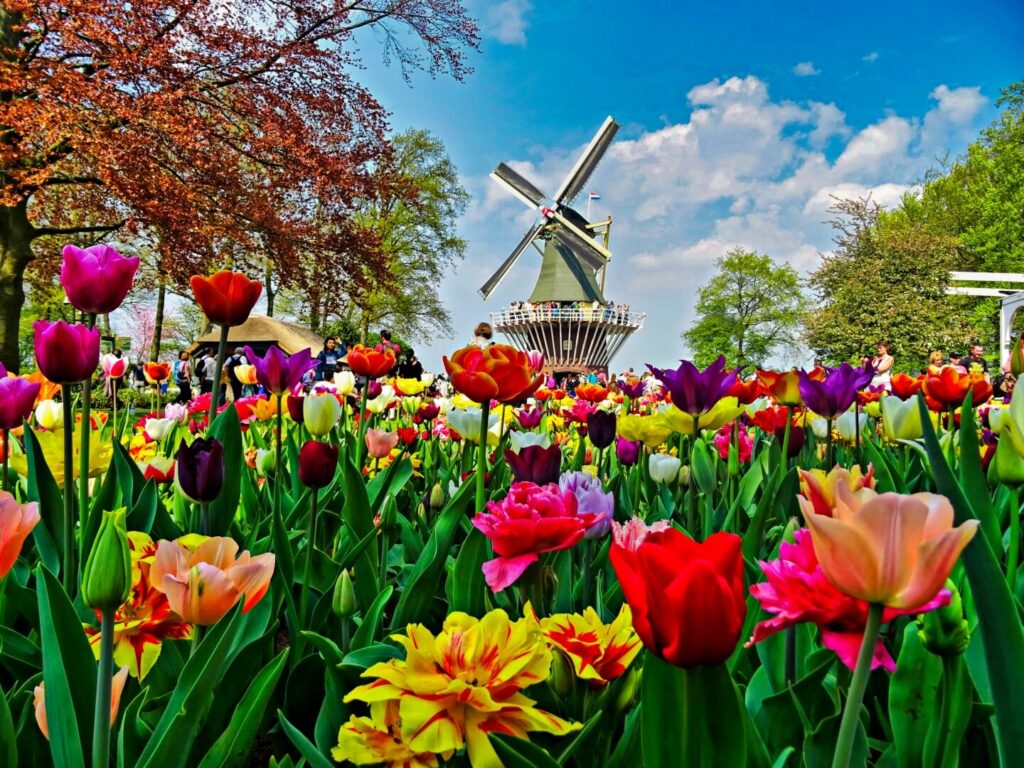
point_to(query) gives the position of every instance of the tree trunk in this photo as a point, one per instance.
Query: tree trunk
(269, 285)
(158, 321)
(16, 235)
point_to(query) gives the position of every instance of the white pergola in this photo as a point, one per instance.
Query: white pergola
(1011, 299)
(1008, 308)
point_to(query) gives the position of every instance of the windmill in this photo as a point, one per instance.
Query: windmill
(567, 315)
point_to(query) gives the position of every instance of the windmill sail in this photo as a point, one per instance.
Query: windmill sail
(518, 185)
(581, 172)
(487, 288)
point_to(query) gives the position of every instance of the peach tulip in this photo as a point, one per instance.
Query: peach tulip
(203, 578)
(890, 548)
(16, 523)
(380, 443)
(116, 689)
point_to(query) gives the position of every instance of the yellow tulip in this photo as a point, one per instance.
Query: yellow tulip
(409, 386)
(101, 450)
(652, 431)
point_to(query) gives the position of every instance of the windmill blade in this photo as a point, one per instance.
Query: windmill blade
(518, 185)
(595, 254)
(487, 288)
(580, 174)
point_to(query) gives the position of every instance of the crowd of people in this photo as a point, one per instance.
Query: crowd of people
(524, 311)
(973, 361)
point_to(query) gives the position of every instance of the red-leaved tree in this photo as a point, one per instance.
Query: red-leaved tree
(231, 131)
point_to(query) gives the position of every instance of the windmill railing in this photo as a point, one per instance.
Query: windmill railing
(601, 315)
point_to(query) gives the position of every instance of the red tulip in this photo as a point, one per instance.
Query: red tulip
(905, 386)
(225, 297)
(746, 392)
(498, 372)
(369, 362)
(157, 372)
(948, 388)
(592, 393)
(96, 279)
(317, 464)
(688, 599)
(66, 353)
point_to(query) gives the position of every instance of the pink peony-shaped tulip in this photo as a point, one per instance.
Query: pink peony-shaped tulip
(16, 523)
(66, 353)
(203, 578)
(17, 399)
(892, 549)
(96, 279)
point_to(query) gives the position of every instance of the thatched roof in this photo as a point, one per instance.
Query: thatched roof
(260, 332)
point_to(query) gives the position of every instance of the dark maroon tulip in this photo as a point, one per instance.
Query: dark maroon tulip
(96, 279)
(695, 391)
(837, 392)
(199, 469)
(373, 389)
(601, 428)
(17, 398)
(627, 451)
(277, 372)
(428, 412)
(535, 464)
(317, 463)
(66, 353)
(295, 403)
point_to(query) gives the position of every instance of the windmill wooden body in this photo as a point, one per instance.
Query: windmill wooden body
(567, 316)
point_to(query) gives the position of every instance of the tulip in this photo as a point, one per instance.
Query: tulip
(373, 389)
(695, 391)
(203, 582)
(116, 689)
(601, 428)
(343, 599)
(436, 496)
(199, 470)
(819, 487)
(848, 422)
(631, 389)
(156, 372)
(529, 418)
(944, 631)
(948, 388)
(901, 419)
(887, 549)
(158, 429)
(783, 387)
(317, 464)
(521, 440)
(1008, 466)
(591, 499)
(427, 379)
(159, 469)
(380, 443)
(96, 279)
(320, 412)
(295, 404)
(428, 412)
(746, 392)
(369, 362)
(627, 451)
(279, 373)
(344, 383)
(592, 393)
(652, 431)
(17, 396)
(107, 578)
(66, 353)
(687, 599)
(113, 366)
(498, 372)
(905, 386)
(663, 468)
(49, 415)
(16, 523)
(837, 392)
(226, 298)
(535, 464)
(467, 423)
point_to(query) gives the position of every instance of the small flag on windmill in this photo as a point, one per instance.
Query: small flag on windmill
(595, 195)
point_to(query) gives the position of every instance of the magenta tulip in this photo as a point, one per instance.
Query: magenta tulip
(66, 353)
(279, 373)
(96, 279)
(17, 398)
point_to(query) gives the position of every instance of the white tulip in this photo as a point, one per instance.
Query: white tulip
(50, 415)
(848, 422)
(345, 382)
(664, 468)
(520, 440)
(158, 429)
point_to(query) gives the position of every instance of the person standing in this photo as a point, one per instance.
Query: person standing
(974, 362)
(482, 335)
(183, 378)
(882, 363)
(410, 367)
(206, 374)
(327, 360)
(935, 361)
(237, 359)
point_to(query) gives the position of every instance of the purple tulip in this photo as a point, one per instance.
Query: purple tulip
(627, 451)
(529, 418)
(96, 279)
(631, 390)
(199, 469)
(17, 398)
(591, 499)
(837, 392)
(695, 391)
(373, 389)
(279, 373)
(66, 353)
(601, 428)
(535, 464)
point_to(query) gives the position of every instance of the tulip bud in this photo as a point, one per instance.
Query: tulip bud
(50, 415)
(684, 476)
(944, 631)
(107, 579)
(562, 677)
(436, 496)
(628, 688)
(733, 463)
(343, 601)
(266, 462)
(1008, 466)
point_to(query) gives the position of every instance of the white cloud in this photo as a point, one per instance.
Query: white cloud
(506, 21)
(806, 69)
(870, 58)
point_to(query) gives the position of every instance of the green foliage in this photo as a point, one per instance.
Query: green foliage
(748, 311)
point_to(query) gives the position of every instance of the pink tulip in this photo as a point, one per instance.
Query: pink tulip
(97, 279)
(892, 549)
(66, 353)
(380, 443)
(113, 366)
(17, 399)
(16, 523)
(536, 358)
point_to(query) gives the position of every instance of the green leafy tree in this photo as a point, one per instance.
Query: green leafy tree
(749, 310)
(886, 280)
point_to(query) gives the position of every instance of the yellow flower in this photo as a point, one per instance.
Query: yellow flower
(266, 409)
(462, 402)
(409, 386)
(101, 450)
(599, 652)
(378, 739)
(140, 449)
(246, 373)
(652, 431)
(455, 688)
(725, 410)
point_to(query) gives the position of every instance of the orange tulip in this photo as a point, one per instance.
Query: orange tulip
(905, 386)
(226, 297)
(16, 523)
(948, 388)
(592, 393)
(380, 443)
(498, 372)
(156, 372)
(203, 578)
(892, 549)
(783, 387)
(47, 389)
(370, 362)
(116, 689)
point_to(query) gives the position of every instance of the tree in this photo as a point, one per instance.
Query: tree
(748, 310)
(219, 126)
(886, 281)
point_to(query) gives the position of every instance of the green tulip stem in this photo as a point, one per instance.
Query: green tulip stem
(1013, 556)
(67, 573)
(222, 351)
(691, 489)
(310, 546)
(197, 637)
(204, 518)
(7, 450)
(83, 457)
(856, 430)
(361, 432)
(859, 683)
(790, 661)
(104, 673)
(481, 458)
(828, 447)
(785, 436)
(278, 468)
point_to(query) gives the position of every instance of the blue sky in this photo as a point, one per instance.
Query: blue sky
(740, 119)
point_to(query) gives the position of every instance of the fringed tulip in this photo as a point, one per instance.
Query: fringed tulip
(96, 279)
